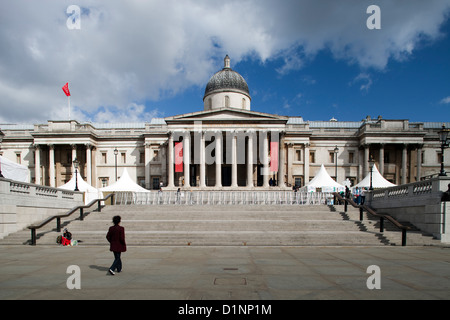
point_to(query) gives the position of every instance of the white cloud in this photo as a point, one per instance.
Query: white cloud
(366, 80)
(446, 100)
(130, 52)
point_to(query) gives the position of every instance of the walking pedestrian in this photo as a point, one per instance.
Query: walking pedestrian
(116, 238)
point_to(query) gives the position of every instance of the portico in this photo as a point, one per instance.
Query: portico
(224, 148)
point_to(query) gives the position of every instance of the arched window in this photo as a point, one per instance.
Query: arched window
(209, 103)
(227, 101)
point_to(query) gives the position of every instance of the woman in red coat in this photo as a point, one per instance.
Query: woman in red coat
(116, 238)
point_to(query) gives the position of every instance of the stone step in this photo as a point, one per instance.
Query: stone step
(227, 226)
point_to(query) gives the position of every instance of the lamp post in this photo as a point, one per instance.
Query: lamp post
(443, 138)
(336, 150)
(116, 152)
(76, 164)
(371, 163)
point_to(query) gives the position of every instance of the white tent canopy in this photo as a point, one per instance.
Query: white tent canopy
(90, 193)
(125, 183)
(323, 181)
(13, 171)
(378, 181)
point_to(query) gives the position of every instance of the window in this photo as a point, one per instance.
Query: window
(298, 182)
(439, 157)
(331, 157)
(227, 101)
(141, 157)
(298, 155)
(244, 103)
(104, 161)
(210, 103)
(386, 157)
(18, 158)
(423, 157)
(351, 157)
(123, 157)
(312, 157)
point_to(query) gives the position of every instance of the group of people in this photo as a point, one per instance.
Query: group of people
(66, 239)
(358, 195)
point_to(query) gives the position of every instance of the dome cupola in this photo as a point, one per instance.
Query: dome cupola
(227, 88)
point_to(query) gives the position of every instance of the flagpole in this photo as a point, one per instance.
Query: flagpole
(68, 98)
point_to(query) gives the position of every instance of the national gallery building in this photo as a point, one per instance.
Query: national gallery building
(226, 146)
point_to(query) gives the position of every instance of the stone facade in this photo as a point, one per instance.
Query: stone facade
(225, 146)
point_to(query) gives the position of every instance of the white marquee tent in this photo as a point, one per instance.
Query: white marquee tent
(378, 181)
(90, 193)
(323, 181)
(13, 171)
(125, 183)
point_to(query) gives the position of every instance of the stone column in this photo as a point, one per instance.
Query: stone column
(89, 164)
(306, 164)
(202, 160)
(381, 164)
(250, 159)
(51, 158)
(37, 164)
(419, 162)
(74, 155)
(404, 162)
(265, 160)
(187, 158)
(281, 164)
(234, 161)
(366, 159)
(147, 160)
(219, 147)
(170, 160)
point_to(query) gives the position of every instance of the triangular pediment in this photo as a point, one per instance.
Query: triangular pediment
(227, 115)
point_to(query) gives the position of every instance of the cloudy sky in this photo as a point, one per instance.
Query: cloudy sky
(130, 61)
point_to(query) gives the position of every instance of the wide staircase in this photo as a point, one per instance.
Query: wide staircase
(232, 225)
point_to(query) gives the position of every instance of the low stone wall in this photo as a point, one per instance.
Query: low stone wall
(22, 204)
(419, 203)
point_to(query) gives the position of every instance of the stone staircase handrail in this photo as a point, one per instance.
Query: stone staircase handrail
(34, 227)
(375, 214)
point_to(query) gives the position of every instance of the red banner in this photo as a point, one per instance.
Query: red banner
(66, 89)
(274, 156)
(178, 156)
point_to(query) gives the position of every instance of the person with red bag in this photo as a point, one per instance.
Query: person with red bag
(116, 238)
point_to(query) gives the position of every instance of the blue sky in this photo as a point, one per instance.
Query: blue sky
(325, 87)
(135, 60)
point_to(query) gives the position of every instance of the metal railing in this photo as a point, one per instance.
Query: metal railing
(223, 198)
(372, 212)
(58, 218)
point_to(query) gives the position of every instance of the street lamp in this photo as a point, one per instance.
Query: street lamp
(76, 164)
(116, 152)
(443, 138)
(336, 150)
(371, 163)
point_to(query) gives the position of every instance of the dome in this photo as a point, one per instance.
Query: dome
(227, 80)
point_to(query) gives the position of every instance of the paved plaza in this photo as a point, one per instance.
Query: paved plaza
(225, 273)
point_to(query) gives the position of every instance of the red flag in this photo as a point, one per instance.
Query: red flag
(178, 156)
(274, 156)
(66, 89)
